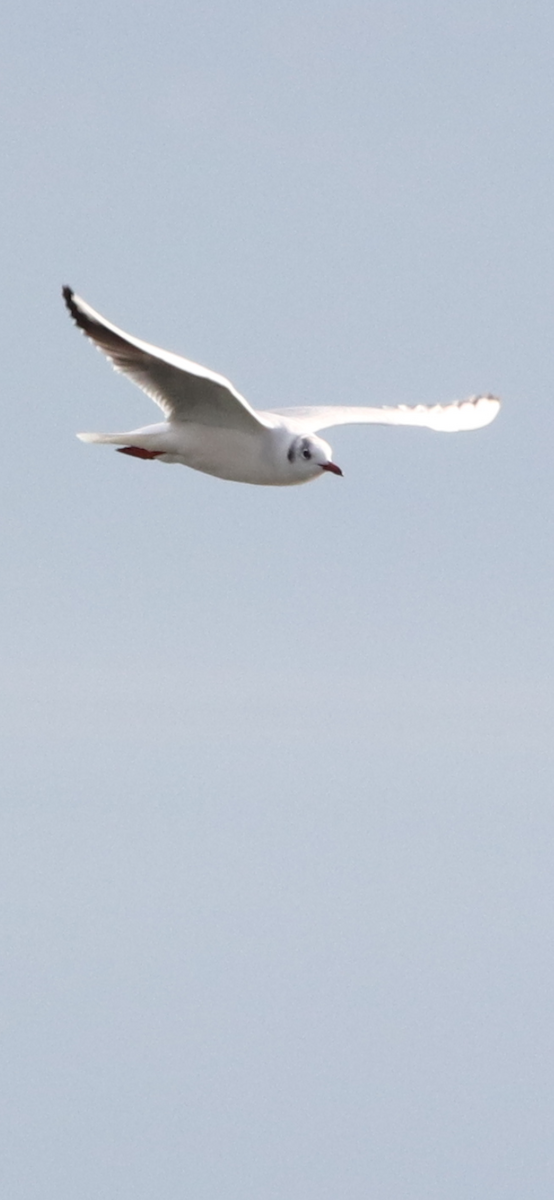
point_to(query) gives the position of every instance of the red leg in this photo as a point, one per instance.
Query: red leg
(138, 452)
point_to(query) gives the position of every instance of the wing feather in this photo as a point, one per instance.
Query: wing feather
(183, 390)
(445, 418)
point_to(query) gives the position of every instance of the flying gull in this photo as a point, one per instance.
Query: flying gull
(210, 427)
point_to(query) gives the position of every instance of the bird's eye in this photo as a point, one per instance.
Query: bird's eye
(306, 453)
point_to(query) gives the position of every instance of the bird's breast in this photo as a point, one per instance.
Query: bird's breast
(230, 453)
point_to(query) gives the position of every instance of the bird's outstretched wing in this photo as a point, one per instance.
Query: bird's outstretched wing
(183, 390)
(445, 418)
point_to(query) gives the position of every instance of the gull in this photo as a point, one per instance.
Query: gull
(210, 427)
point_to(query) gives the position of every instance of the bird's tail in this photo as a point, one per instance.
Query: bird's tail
(126, 443)
(113, 439)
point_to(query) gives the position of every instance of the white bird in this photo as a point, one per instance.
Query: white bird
(210, 427)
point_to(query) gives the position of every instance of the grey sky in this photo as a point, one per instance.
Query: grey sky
(277, 826)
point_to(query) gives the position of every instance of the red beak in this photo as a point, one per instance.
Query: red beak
(329, 466)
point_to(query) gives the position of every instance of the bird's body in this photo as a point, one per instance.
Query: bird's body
(243, 456)
(210, 427)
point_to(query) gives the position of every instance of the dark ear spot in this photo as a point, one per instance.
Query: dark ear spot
(291, 455)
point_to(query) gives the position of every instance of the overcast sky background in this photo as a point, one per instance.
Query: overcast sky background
(277, 827)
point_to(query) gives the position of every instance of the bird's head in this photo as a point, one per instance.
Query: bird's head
(310, 457)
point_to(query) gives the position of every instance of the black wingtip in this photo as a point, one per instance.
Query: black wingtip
(68, 295)
(81, 320)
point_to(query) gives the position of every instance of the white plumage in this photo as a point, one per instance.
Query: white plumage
(210, 427)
